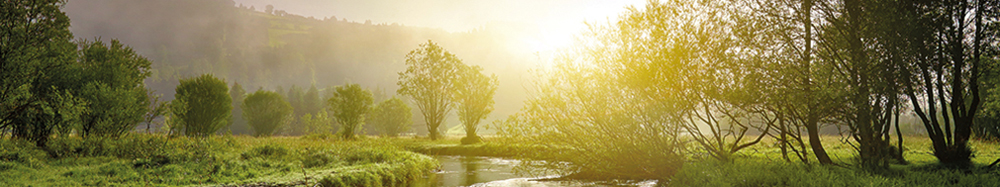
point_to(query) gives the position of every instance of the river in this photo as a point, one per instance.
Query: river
(489, 171)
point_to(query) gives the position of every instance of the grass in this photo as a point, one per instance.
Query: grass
(763, 165)
(151, 160)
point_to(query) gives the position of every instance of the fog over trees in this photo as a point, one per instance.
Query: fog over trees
(188, 38)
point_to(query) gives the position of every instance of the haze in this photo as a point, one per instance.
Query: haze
(547, 24)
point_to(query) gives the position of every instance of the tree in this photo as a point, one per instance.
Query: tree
(34, 53)
(950, 43)
(202, 105)
(157, 109)
(615, 105)
(294, 96)
(782, 36)
(266, 112)
(319, 123)
(239, 122)
(349, 105)
(391, 117)
(474, 99)
(311, 101)
(429, 81)
(113, 78)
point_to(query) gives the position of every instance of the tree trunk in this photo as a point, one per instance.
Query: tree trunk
(816, 144)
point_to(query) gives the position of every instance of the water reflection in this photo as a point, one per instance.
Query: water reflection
(487, 171)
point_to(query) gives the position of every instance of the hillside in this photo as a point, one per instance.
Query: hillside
(276, 50)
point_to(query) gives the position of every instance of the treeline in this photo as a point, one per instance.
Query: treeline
(54, 87)
(723, 75)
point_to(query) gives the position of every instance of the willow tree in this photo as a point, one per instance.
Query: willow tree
(428, 81)
(474, 97)
(616, 105)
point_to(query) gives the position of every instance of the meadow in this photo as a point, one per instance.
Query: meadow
(155, 160)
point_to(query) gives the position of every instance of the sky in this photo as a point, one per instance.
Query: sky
(546, 24)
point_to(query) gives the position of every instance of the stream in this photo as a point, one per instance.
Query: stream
(490, 171)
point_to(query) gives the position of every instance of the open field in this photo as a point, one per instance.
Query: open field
(150, 160)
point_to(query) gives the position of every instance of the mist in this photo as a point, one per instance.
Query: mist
(330, 43)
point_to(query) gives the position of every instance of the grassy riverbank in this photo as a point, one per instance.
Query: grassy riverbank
(151, 160)
(763, 165)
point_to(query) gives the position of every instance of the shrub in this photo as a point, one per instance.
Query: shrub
(202, 105)
(391, 117)
(266, 112)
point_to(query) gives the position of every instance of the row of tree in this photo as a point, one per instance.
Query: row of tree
(54, 86)
(438, 82)
(51, 85)
(203, 107)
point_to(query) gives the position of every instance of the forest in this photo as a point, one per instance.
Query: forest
(669, 93)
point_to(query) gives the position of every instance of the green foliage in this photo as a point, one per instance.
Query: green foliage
(617, 103)
(349, 104)
(266, 112)
(36, 57)
(265, 151)
(113, 78)
(474, 99)
(428, 81)
(391, 117)
(322, 123)
(202, 105)
(239, 126)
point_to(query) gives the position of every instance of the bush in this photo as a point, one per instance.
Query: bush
(202, 105)
(266, 112)
(391, 117)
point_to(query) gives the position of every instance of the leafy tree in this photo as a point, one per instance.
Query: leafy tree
(946, 46)
(311, 101)
(202, 105)
(321, 123)
(474, 96)
(781, 36)
(429, 81)
(391, 117)
(113, 78)
(35, 54)
(349, 105)
(239, 123)
(266, 112)
(616, 104)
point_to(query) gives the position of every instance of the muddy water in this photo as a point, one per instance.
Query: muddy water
(488, 171)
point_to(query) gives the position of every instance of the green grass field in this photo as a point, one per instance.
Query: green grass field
(153, 160)
(150, 160)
